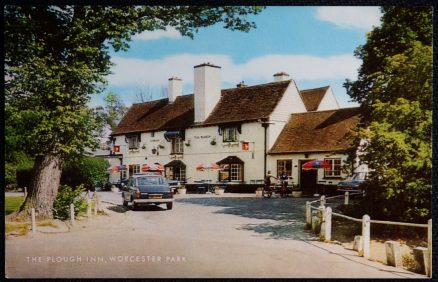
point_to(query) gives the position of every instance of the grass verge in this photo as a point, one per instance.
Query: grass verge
(12, 204)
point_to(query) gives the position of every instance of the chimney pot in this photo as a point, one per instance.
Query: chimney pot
(281, 76)
(241, 84)
(174, 88)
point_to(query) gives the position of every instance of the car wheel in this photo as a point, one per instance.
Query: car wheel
(169, 206)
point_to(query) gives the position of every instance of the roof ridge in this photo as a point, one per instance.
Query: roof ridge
(147, 102)
(258, 85)
(333, 110)
(317, 88)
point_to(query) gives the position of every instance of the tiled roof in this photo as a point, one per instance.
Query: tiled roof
(158, 115)
(313, 97)
(247, 103)
(324, 131)
(130, 121)
(235, 105)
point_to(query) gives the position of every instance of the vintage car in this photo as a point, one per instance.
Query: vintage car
(147, 189)
(353, 185)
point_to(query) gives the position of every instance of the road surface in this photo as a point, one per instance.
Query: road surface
(204, 236)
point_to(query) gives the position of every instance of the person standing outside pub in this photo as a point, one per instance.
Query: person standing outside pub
(283, 178)
(268, 180)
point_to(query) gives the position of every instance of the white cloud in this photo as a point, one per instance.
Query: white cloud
(158, 34)
(350, 17)
(132, 72)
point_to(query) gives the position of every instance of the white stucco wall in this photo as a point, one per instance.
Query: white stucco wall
(329, 101)
(272, 166)
(290, 103)
(201, 151)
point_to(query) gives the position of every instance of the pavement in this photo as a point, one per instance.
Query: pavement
(204, 236)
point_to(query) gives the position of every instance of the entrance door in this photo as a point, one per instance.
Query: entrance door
(308, 179)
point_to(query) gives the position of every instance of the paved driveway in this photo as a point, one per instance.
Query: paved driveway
(203, 236)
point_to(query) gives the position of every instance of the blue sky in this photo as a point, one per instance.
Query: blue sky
(314, 45)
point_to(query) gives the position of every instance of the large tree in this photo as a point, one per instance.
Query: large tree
(395, 91)
(56, 56)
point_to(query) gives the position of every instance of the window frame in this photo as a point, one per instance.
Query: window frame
(233, 172)
(177, 146)
(227, 137)
(333, 172)
(135, 142)
(289, 173)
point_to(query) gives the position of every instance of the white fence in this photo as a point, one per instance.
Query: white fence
(322, 218)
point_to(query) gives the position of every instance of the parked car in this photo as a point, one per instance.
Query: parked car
(147, 189)
(174, 185)
(353, 185)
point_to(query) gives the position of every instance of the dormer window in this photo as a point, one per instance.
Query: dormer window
(230, 134)
(133, 142)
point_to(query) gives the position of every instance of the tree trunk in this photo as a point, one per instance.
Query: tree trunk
(46, 178)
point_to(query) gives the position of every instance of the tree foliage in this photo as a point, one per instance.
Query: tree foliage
(56, 56)
(113, 111)
(86, 171)
(395, 92)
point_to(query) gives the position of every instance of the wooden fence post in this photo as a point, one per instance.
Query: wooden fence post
(346, 198)
(308, 214)
(322, 201)
(95, 204)
(366, 235)
(429, 245)
(88, 208)
(32, 212)
(72, 214)
(328, 224)
(322, 222)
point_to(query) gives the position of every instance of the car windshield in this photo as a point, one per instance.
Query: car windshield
(150, 180)
(359, 176)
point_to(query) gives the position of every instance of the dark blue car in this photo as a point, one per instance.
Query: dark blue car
(147, 189)
(353, 185)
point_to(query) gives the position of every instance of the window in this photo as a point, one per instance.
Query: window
(231, 172)
(284, 165)
(150, 180)
(135, 168)
(230, 134)
(335, 168)
(124, 176)
(133, 142)
(236, 172)
(177, 146)
(176, 173)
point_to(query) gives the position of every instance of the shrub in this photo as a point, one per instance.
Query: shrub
(87, 171)
(67, 196)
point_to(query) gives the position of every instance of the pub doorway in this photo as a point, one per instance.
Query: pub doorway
(308, 179)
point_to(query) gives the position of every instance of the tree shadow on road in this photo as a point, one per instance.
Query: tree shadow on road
(118, 208)
(285, 216)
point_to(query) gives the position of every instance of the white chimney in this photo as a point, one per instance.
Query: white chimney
(280, 76)
(207, 89)
(174, 89)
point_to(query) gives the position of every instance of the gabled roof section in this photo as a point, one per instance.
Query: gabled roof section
(313, 97)
(325, 131)
(247, 103)
(235, 105)
(130, 121)
(158, 115)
